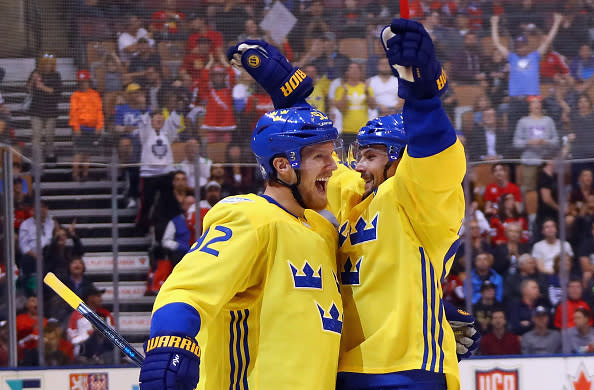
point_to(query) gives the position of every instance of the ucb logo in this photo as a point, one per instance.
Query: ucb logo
(333, 323)
(293, 82)
(307, 277)
(442, 80)
(350, 276)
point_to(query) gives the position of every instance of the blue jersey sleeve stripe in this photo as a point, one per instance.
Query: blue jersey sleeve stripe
(428, 127)
(440, 339)
(187, 320)
(433, 320)
(238, 350)
(424, 280)
(450, 253)
(231, 351)
(246, 349)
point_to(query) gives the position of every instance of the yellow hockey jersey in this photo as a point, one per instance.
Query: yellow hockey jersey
(395, 247)
(265, 286)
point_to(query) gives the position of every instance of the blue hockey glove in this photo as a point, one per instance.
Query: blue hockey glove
(171, 363)
(410, 51)
(285, 83)
(462, 323)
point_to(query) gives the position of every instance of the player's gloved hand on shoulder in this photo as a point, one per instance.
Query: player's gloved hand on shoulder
(462, 323)
(411, 53)
(171, 363)
(286, 84)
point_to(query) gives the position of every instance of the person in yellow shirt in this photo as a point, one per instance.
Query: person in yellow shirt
(353, 98)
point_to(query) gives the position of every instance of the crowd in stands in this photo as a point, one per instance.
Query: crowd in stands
(159, 88)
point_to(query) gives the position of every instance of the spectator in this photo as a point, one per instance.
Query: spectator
(86, 120)
(482, 271)
(196, 61)
(536, 137)
(520, 311)
(479, 244)
(318, 98)
(385, 90)
(580, 193)
(573, 32)
(324, 55)
(582, 66)
(316, 22)
(170, 203)
(167, 23)
(501, 185)
(212, 196)
(219, 121)
(90, 346)
(524, 77)
(561, 100)
(191, 149)
(77, 281)
(574, 302)
(541, 340)
(548, 206)
(496, 69)
(58, 351)
(353, 98)
(45, 87)
(27, 328)
(114, 73)
(507, 213)
(257, 104)
(526, 270)
(145, 58)
(581, 336)
(128, 40)
(4, 346)
(487, 140)
(583, 221)
(483, 309)
(554, 281)
(545, 250)
(581, 136)
(58, 255)
(22, 204)
(156, 136)
(217, 173)
(507, 253)
(499, 341)
(127, 119)
(200, 29)
(585, 254)
(230, 18)
(241, 178)
(553, 65)
(524, 15)
(466, 63)
(177, 235)
(27, 246)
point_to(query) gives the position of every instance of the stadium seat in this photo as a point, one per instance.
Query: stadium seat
(466, 94)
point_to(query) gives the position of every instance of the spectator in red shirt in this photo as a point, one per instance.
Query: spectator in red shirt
(507, 213)
(200, 29)
(500, 186)
(27, 326)
(574, 300)
(500, 341)
(552, 64)
(196, 61)
(219, 120)
(166, 23)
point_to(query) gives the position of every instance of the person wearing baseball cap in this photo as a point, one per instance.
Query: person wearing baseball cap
(541, 340)
(483, 309)
(86, 120)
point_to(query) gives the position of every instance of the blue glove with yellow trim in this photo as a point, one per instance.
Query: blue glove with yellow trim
(171, 363)
(462, 323)
(286, 84)
(411, 53)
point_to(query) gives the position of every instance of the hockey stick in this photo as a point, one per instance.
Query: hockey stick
(404, 12)
(77, 304)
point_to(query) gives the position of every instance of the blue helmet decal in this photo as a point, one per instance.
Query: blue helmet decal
(386, 130)
(286, 131)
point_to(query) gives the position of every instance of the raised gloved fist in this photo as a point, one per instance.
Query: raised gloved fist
(411, 53)
(285, 83)
(171, 363)
(462, 323)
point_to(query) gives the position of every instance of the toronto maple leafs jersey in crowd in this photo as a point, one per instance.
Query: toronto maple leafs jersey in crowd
(395, 247)
(156, 155)
(264, 285)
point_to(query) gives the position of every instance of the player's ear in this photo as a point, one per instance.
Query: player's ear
(283, 169)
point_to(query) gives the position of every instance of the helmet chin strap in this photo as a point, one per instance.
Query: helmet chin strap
(292, 187)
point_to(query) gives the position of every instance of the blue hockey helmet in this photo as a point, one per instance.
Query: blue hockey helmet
(286, 131)
(386, 130)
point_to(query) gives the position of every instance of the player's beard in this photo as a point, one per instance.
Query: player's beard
(370, 185)
(314, 196)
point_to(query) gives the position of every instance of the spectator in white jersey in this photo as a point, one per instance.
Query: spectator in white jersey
(156, 136)
(385, 90)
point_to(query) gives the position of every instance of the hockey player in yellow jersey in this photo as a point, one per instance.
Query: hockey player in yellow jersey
(259, 288)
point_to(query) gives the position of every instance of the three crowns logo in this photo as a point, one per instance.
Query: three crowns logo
(361, 234)
(332, 323)
(350, 276)
(307, 277)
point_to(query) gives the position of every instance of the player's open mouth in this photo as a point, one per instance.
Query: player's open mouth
(321, 184)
